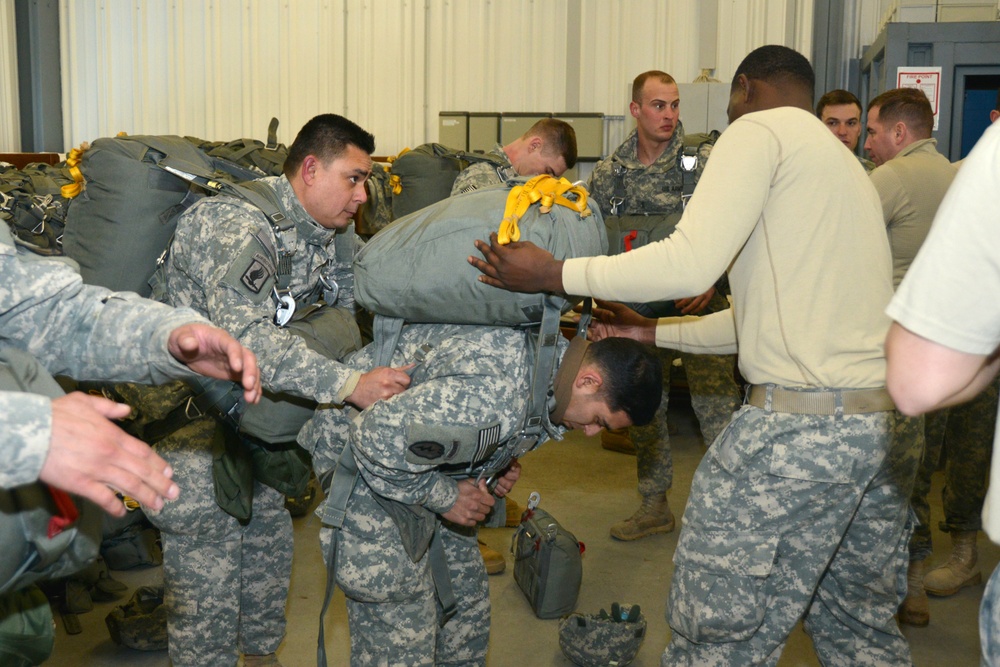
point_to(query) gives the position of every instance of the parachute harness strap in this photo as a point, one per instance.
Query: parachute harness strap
(546, 190)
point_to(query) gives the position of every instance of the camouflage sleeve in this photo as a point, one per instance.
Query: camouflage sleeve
(216, 260)
(469, 391)
(24, 444)
(476, 176)
(84, 331)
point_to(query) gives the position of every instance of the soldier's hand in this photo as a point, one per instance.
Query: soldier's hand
(378, 384)
(506, 481)
(214, 353)
(91, 457)
(519, 267)
(611, 319)
(695, 304)
(473, 504)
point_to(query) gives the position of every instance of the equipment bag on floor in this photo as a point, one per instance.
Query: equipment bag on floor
(548, 563)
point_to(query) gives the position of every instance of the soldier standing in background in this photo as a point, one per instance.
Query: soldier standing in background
(646, 181)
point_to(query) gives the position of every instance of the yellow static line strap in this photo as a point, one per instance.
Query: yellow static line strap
(547, 191)
(73, 163)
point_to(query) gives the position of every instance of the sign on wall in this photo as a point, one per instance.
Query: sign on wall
(927, 79)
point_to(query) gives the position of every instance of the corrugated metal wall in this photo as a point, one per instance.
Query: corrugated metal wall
(220, 69)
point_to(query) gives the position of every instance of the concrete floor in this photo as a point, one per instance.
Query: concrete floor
(588, 489)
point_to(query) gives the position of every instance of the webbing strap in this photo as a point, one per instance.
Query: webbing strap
(618, 197)
(258, 194)
(272, 134)
(546, 349)
(438, 561)
(547, 191)
(334, 510)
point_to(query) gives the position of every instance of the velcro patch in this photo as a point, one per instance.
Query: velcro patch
(251, 274)
(435, 444)
(256, 275)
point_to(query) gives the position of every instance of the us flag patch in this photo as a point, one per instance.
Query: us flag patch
(487, 441)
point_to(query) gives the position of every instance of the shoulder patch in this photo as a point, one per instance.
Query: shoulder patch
(256, 275)
(252, 273)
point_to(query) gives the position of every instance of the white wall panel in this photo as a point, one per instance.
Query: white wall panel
(219, 69)
(10, 127)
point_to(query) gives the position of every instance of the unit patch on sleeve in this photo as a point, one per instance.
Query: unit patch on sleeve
(251, 274)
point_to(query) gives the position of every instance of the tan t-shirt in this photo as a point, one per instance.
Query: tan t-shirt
(794, 217)
(911, 187)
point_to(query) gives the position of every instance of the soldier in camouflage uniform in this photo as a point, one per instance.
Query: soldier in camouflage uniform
(471, 385)
(799, 510)
(548, 147)
(226, 582)
(645, 177)
(69, 442)
(88, 332)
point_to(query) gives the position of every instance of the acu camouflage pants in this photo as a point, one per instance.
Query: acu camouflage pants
(794, 517)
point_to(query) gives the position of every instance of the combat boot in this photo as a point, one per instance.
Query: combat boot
(269, 660)
(514, 512)
(915, 609)
(617, 440)
(652, 517)
(492, 558)
(960, 569)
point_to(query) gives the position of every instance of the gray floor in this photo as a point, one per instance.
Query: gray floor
(587, 488)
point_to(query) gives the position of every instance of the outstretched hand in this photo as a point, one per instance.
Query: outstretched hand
(612, 319)
(520, 266)
(216, 354)
(91, 457)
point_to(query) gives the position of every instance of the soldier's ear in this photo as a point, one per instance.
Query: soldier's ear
(307, 171)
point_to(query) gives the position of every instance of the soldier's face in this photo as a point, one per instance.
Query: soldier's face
(538, 161)
(337, 189)
(657, 115)
(844, 120)
(880, 143)
(589, 412)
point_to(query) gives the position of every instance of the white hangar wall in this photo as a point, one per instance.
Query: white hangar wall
(220, 69)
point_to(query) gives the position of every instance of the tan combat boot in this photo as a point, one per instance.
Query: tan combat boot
(652, 517)
(915, 609)
(492, 558)
(514, 512)
(617, 440)
(960, 569)
(269, 660)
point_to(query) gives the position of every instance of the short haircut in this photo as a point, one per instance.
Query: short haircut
(633, 377)
(836, 98)
(905, 105)
(640, 82)
(326, 136)
(558, 135)
(779, 66)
